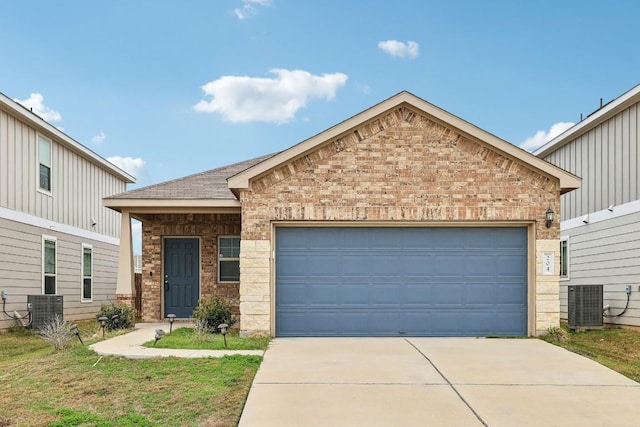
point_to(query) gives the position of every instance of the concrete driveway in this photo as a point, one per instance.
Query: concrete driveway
(435, 381)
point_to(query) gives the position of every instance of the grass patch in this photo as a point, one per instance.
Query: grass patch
(187, 338)
(615, 348)
(75, 387)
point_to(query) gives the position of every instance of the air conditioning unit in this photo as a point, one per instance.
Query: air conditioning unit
(44, 308)
(585, 307)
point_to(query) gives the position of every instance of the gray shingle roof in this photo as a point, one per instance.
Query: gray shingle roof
(211, 184)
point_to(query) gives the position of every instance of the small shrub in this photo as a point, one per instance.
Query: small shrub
(558, 334)
(57, 332)
(200, 330)
(125, 316)
(214, 310)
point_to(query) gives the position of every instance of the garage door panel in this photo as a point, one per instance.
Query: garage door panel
(355, 294)
(292, 294)
(294, 265)
(385, 239)
(384, 323)
(323, 294)
(510, 265)
(392, 281)
(355, 265)
(417, 294)
(510, 294)
(385, 265)
(385, 294)
(353, 323)
(322, 265)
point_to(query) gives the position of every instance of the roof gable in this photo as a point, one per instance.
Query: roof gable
(241, 180)
(601, 115)
(62, 138)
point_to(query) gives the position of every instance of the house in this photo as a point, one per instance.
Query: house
(403, 219)
(600, 222)
(56, 238)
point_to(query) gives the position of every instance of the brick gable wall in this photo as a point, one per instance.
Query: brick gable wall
(401, 167)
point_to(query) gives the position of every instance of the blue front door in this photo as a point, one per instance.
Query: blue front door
(181, 276)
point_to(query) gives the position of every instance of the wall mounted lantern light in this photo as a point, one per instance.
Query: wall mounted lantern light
(549, 217)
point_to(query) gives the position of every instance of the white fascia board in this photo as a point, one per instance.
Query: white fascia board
(173, 205)
(568, 181)
(46, 224)
(606, 112)
(60, 137)
(603, 215)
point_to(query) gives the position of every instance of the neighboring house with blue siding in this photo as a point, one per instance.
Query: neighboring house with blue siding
(600, 224)
(56, 238)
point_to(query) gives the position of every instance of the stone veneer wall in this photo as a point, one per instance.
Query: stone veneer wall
(400, 167)
(207, 227)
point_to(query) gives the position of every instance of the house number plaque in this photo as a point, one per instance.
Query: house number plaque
(547, 263)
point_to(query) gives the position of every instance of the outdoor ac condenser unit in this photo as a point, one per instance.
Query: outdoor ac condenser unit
(44, 308)
(585, 306)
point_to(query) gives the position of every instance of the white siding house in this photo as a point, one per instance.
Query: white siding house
(600, 224)
(55, 235)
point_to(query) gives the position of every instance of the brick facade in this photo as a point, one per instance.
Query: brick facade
(400, 167)
(206, 227)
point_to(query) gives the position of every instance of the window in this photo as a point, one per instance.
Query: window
(564, 258)
(49, 265)
(44, 158)
(87, 272)
(229, 259)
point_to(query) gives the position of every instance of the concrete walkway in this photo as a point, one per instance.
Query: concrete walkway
(435, 381)
(130, 345)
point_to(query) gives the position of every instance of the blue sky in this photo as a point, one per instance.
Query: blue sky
(165, 89)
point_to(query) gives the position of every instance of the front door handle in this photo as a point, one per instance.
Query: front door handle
(166, 282)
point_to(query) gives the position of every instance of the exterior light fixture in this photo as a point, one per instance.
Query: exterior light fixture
(76, 332)
(223, 330)
(548, 217)
(103, 323)
(159, 334)
(172, 318)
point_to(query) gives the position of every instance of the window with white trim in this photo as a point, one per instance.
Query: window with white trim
(49, 262)
(87, 273)
(228, 259)
(44, 163)
(564, 258)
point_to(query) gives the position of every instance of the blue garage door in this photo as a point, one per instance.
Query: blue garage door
(390, 281)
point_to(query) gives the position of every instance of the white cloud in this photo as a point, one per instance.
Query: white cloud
(35, 104)
(541, 137)
(400, 49)
(134, 167)
(241, 99)
(248, 8)
(99, 139)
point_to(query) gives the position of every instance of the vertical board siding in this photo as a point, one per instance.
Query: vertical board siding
(21, 270)
(606, 158)
(607, 253)
(78, 185)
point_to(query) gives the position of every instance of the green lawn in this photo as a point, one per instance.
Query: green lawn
(76, 387)
(616, 348)
(188, 338)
